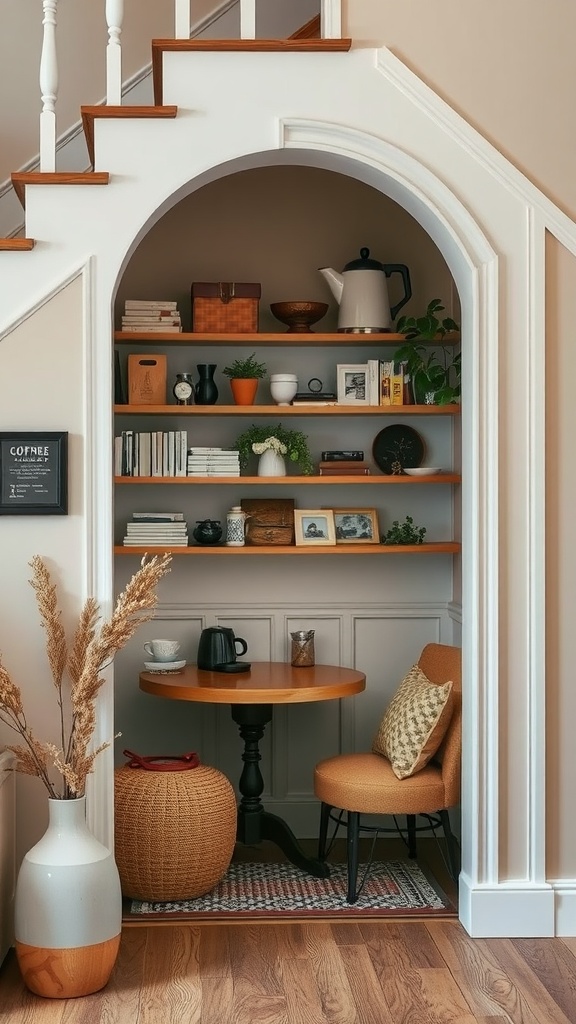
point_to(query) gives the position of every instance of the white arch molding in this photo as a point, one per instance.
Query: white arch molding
(462, 238)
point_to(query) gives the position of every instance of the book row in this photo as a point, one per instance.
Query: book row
(150, 453)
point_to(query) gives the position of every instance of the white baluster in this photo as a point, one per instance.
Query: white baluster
(248, 19)
(331, 19)
(114, 19)
(182, 19)
(48, 87)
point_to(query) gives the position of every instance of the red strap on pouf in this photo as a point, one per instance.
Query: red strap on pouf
(162, 762)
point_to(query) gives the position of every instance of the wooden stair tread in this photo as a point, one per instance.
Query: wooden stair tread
(16, 244)
(89, 114)
(311, 30)
(22, 178)
(294, 44)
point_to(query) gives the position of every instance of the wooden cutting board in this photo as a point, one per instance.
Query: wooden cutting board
(147, 379)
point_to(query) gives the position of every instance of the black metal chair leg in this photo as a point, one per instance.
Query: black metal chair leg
(353, 831)
(411, 830)
(323, 834)
(451, 845)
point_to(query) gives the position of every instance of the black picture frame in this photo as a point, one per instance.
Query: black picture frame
(33, 473)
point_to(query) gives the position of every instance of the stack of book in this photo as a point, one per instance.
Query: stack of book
(213, 462)
(157, 529)
(145, 315)
(344, 467)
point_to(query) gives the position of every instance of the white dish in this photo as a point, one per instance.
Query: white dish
(163, 666)
(423, 470)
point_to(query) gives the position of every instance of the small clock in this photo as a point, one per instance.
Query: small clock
(183, 389)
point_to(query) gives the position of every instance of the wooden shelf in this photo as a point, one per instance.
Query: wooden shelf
(287, 410)
(292, 481)
(268, 338)
(437, 548)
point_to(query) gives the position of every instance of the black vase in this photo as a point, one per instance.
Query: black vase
(207, 531)
(205, 391)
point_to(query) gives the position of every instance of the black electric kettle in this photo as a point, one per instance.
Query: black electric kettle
(217, 650)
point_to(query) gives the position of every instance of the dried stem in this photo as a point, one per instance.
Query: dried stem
(91, 653)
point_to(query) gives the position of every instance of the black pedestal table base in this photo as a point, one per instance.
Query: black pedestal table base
(255, 824)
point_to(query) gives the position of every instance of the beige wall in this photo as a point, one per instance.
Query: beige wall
(508, 68)
(41, 388)
(277, 225)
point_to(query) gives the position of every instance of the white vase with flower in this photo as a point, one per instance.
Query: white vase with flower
(68, 902)
(271, 461)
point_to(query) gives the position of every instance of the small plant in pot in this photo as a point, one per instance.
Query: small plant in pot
(404, 533)
(435, 374)
(244, 375)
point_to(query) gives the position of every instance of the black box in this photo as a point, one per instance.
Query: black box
(339, 456)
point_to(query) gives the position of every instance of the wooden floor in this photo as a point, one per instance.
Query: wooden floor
(411, 972)
(423, 971)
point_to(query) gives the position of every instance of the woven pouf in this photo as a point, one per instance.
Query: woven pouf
(174, 831)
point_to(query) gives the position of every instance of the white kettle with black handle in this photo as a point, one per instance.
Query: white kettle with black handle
(361, 291)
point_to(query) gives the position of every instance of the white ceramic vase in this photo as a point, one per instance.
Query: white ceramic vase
(68, 908)
(271, 463)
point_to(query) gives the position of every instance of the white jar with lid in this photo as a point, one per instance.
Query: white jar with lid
(236, 527)
(283, 387)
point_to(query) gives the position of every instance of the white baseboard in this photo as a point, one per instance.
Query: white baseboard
(509, 910)
(565, 904)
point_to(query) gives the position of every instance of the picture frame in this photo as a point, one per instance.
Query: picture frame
(33, 473)
(314, 526)
(352, 384)
(356, 525)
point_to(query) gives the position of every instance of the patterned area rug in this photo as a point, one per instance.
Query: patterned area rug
(393, 888)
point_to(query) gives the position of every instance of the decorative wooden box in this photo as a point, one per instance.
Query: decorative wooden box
(270, 522)
(227, 307)
(146, 379)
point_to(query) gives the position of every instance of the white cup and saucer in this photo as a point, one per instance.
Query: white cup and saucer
(163, 654)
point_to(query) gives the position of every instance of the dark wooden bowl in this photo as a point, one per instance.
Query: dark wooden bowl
(299, 314)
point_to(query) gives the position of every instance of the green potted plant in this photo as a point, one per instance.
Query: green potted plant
(434, 373)
(244, 375)
(404, 533)
(291, 443)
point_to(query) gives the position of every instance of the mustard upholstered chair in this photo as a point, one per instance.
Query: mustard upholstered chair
(365, 783)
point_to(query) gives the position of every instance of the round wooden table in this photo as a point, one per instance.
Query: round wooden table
(252, 695)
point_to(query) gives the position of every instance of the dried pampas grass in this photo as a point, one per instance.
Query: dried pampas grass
(92, 650)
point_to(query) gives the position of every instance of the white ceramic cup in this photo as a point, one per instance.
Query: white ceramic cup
(162, 650)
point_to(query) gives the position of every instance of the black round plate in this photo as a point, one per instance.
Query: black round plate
(397, 446)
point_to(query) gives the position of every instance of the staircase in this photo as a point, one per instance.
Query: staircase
(305, 39)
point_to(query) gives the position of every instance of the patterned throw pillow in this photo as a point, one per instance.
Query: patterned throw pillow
(414, 724)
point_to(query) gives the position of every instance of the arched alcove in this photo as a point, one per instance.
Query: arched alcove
(471, 264)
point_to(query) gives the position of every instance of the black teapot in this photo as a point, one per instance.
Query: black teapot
(217, 650)
(207, 531)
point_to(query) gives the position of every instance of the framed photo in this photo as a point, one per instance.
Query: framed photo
(356, 525)
(352, 383)
(314, 526)
(33, 473)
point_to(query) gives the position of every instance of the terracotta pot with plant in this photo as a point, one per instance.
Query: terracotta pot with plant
(244, 375)
(68, 903)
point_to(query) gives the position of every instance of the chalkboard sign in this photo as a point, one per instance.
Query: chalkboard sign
(33, 473)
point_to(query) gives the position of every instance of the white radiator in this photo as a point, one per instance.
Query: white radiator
(7, 851)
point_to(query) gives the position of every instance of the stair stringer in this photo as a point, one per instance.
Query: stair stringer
(365, 113)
